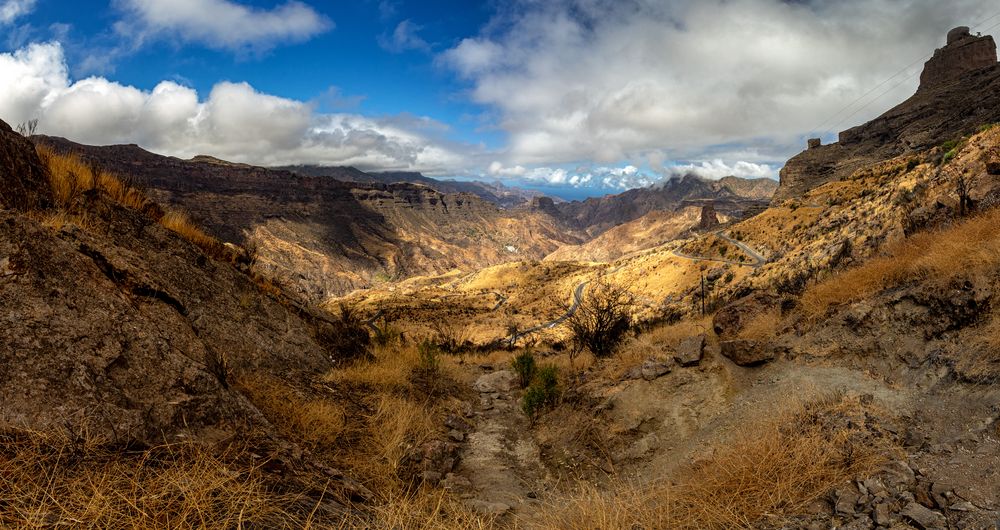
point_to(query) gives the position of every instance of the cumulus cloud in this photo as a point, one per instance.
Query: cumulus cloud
(610, 80)
(404, 38)
(12, 9)
(234, 121)
(222, 24)
(609, 178)
(716, 169)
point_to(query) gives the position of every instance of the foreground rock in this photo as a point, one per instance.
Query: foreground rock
(125, 331)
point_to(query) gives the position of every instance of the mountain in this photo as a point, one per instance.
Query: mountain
(958, 93)
(495, 192)
(732, 196)
(321, 236)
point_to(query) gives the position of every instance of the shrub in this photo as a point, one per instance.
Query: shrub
(949, 156)
(603, 318)
(429, 355)
(385, 334)
(524, 365)
(543, 392)
(345, 336)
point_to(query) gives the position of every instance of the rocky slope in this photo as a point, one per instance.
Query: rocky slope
(651, 230)
(731, 195)
(120, 330)
(942, 110)
(323, 237)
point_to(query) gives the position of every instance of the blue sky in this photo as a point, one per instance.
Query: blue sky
(587, 96)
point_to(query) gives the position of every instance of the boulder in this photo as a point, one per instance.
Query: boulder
(730, 320)
(654, 369)
(923, 517)
(746, 352)
(500, 381)
(24, 181)
(690, 351)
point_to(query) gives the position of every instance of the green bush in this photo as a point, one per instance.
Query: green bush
(524, 366)
(911, 164)
(543, 392)
(949, 156)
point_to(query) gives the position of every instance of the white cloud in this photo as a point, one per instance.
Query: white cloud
(221, 24)
(716, 169)
(235, 121)
(12, 9)
(404, 38)
(610, 80)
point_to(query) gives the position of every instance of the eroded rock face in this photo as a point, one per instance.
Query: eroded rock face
(963, 53)
(960, 91)
(24, 183)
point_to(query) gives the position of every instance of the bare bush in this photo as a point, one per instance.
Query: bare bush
(603, 318)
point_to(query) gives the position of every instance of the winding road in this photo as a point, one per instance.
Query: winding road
(759, 260)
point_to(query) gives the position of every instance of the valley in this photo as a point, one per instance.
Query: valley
(203, 343)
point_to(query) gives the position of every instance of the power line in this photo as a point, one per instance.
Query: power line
(824, 131)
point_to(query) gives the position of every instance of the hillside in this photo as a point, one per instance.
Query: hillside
(495, 192)
(323, 237)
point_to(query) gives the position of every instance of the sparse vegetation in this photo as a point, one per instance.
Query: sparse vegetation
(968, 249)
(768, 472)
(603, 320)
(543, 391)
(524, 366)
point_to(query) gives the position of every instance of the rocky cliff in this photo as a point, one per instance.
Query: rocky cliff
(959, 92)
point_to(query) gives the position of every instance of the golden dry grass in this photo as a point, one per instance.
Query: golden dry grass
(49, 481)
(315, 422)
(70, 177)
(968, 249)
(657, 342)
(762, 327)
(772, 470)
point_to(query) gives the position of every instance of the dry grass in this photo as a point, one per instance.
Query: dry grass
(654, 343)
(425, 510)
(762, 327)
(49, 481)
(317, 422)
(71, 177)
(769, 472)
(968, 249)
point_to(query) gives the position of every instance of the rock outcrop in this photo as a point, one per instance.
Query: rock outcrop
(124, 330)
(25, 185)
(959, 92)
(963, 53)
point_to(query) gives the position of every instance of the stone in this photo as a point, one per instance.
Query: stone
(456, 435)
(963, 53)
(923, 517)
(489, 508)
(730, 320)
(964, 506)
(861, 523)
(633, 373)
(942, 494)
(899, 476)
(499, 381)
(881, 514)
(690, 351)
(993, 167)
(455, 482)
(709, 219)
(746, 352)
(653, 369)
(847, 499)
(431, 477)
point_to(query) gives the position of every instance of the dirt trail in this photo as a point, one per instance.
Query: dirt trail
(501, 459)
